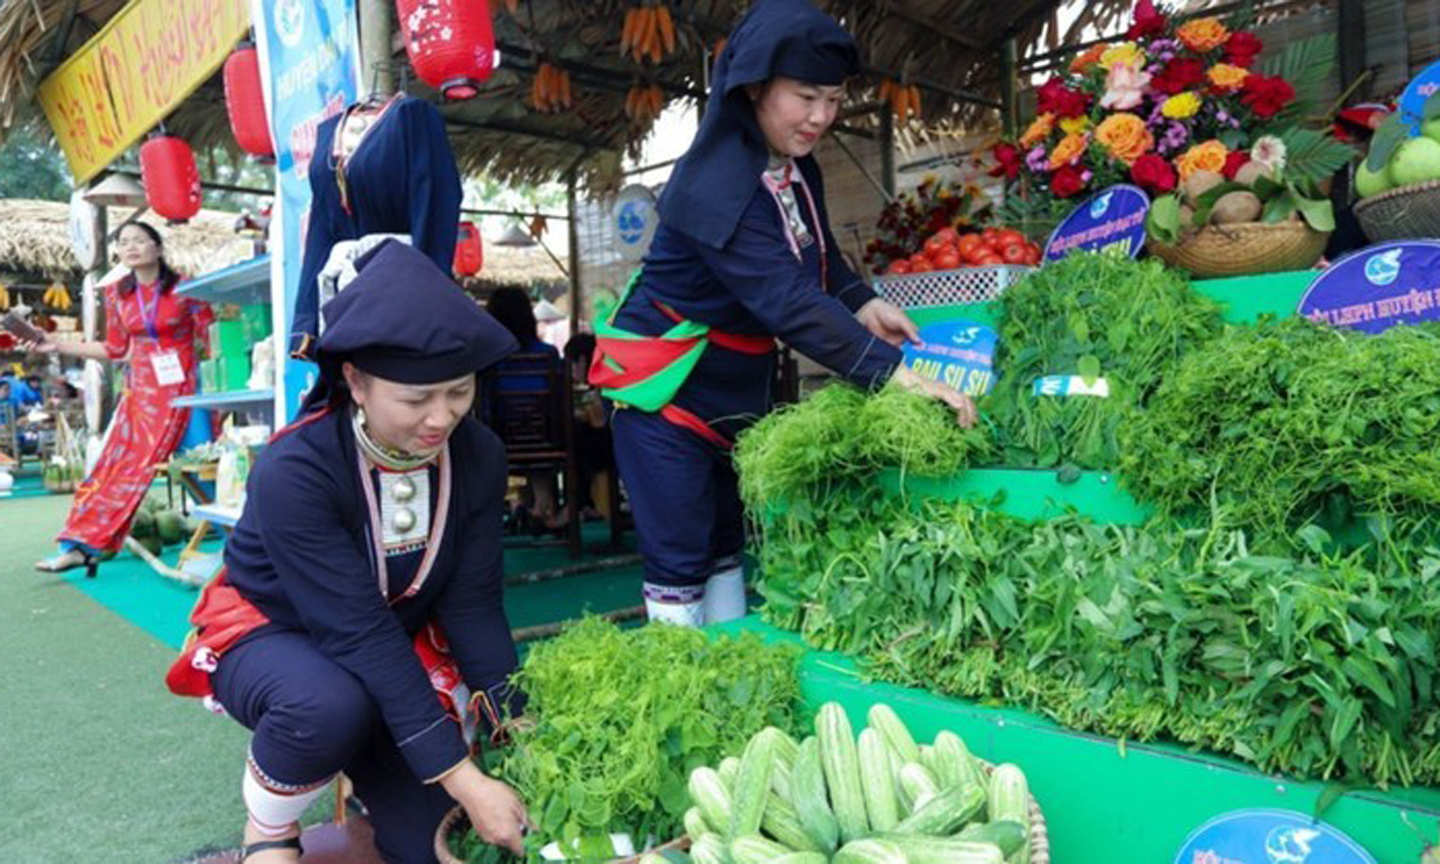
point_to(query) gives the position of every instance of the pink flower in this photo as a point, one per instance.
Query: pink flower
(1124, 88)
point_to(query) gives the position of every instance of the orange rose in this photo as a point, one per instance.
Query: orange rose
(1203, 34)
(1070, 148)
(1125, 136)
(1209, 156)
(1083, 62)
(1226, 78)
(1038, 131)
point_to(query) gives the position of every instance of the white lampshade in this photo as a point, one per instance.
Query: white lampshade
(116, 190)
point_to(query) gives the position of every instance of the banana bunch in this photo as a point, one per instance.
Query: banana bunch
(904, 99)
(57, 297)
(550, 92)
(644, 102)
(648, 34)
(4, 298)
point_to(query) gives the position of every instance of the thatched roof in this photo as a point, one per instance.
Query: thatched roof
(949, 47)
(35, 239)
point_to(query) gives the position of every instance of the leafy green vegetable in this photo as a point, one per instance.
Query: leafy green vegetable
(623, 716)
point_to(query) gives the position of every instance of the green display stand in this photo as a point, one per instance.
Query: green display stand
(1106, 802)
(1028, 493)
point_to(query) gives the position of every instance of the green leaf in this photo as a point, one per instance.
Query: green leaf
(1163, 221)
(1344, 720)
(1315, 538)
(1278, 209)
(1307, 65)
(1319, 212)
(1267, 187)
(1432, 107)
(1312, 155)
(1089, 366)
(1387, 139)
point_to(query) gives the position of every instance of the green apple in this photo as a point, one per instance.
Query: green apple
(1431, 129)
(1416, 161)
(1369, 182)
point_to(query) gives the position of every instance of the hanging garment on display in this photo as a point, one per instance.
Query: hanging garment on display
(381, 168)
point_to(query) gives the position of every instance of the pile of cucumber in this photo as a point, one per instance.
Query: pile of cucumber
(875, 798)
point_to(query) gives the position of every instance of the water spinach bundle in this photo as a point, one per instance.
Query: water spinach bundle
(623, 717)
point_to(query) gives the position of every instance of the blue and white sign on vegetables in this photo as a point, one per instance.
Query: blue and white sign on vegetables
(1112, 220)
(1269, 837)
(1378, 287)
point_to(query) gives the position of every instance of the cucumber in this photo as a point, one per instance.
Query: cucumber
(945, 812)
(841, 763)
(695, 824)
(754, 849)
(920, 849)
(870, 851)
(781, 822)
(877, 779)
(1010, 801)
(708, 793)
(811, 802)
(884, 720)
(709, 849)
(752, 786)
(1008, 835)
(916, 786)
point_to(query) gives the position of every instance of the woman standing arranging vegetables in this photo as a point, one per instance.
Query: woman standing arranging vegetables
(371, 533)
(743, 255)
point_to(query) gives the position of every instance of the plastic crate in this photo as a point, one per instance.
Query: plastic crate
(949, 287)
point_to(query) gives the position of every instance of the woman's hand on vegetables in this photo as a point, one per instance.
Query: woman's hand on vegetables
(888, 322)
(965, 412)
(496, 813)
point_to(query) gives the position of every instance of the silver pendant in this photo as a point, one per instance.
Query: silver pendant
(404, 489)
(404, 519)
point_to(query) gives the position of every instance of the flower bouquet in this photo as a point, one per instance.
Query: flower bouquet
(1189, 113)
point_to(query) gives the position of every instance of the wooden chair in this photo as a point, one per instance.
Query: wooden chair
(527, 402)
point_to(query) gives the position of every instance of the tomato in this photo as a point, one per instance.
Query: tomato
(947, 260)
(935, 245)
(1032, 256)
(968, 242)
(1006, 236)
(898, 267)
(1014, 253)
(921, 267)
(978, 251)
(989, 259)
(989, 235)
(917, 259)
(948, 235)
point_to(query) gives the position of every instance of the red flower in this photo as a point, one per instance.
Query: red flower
(1267, 95)
(1066, 181)
(1241, 48)
(1153, 173)
(1234, 162)
(1007, 157)
(1146, 21)
(1179, 75)
(1054, 97)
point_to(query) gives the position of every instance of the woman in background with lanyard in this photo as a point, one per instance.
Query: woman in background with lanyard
(155, 331)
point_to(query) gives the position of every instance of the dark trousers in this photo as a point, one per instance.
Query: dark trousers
(684, 496)
(313, 719)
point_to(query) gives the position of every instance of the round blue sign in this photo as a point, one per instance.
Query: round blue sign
(1269, 837)
(1375, 288)
(630, 221)
(1113, 219)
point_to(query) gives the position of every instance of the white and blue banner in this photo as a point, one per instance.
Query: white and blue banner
(310, 67)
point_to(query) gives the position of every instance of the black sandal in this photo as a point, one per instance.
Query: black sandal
(267, 845)
(91, 563)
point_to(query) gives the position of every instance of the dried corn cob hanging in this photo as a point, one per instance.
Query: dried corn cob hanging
(648, 34)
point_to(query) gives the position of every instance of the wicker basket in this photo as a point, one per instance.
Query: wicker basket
(1407, 213)
(1244, 248)
(456, 821)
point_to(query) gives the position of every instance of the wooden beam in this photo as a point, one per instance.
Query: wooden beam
(511, 129)
(902, 12)
(596, 76)
(1010, 88)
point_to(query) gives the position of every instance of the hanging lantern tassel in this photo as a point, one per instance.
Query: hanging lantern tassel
(171, 178)
(245, 103)
(469, 251)
(451, 43)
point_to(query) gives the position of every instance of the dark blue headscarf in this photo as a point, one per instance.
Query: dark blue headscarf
(715, 179)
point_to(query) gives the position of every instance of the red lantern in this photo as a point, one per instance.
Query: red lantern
(450, 43)
(245, 102)
(172, 182)
(469, 253)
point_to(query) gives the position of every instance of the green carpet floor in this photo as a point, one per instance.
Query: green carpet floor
(100, 761)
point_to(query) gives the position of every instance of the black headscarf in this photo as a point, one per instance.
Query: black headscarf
(717, 176)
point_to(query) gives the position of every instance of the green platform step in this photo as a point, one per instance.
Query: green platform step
(1107, 802)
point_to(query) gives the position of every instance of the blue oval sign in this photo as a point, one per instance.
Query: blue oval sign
(1269, 837)
(1375, 288)
(1412, 101)
(960, 353)
(1111, 220)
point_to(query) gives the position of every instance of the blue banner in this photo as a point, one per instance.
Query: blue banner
(1375, 288)
(959, 353)
(1113, 220)
(1269, 837)
(309, 62)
